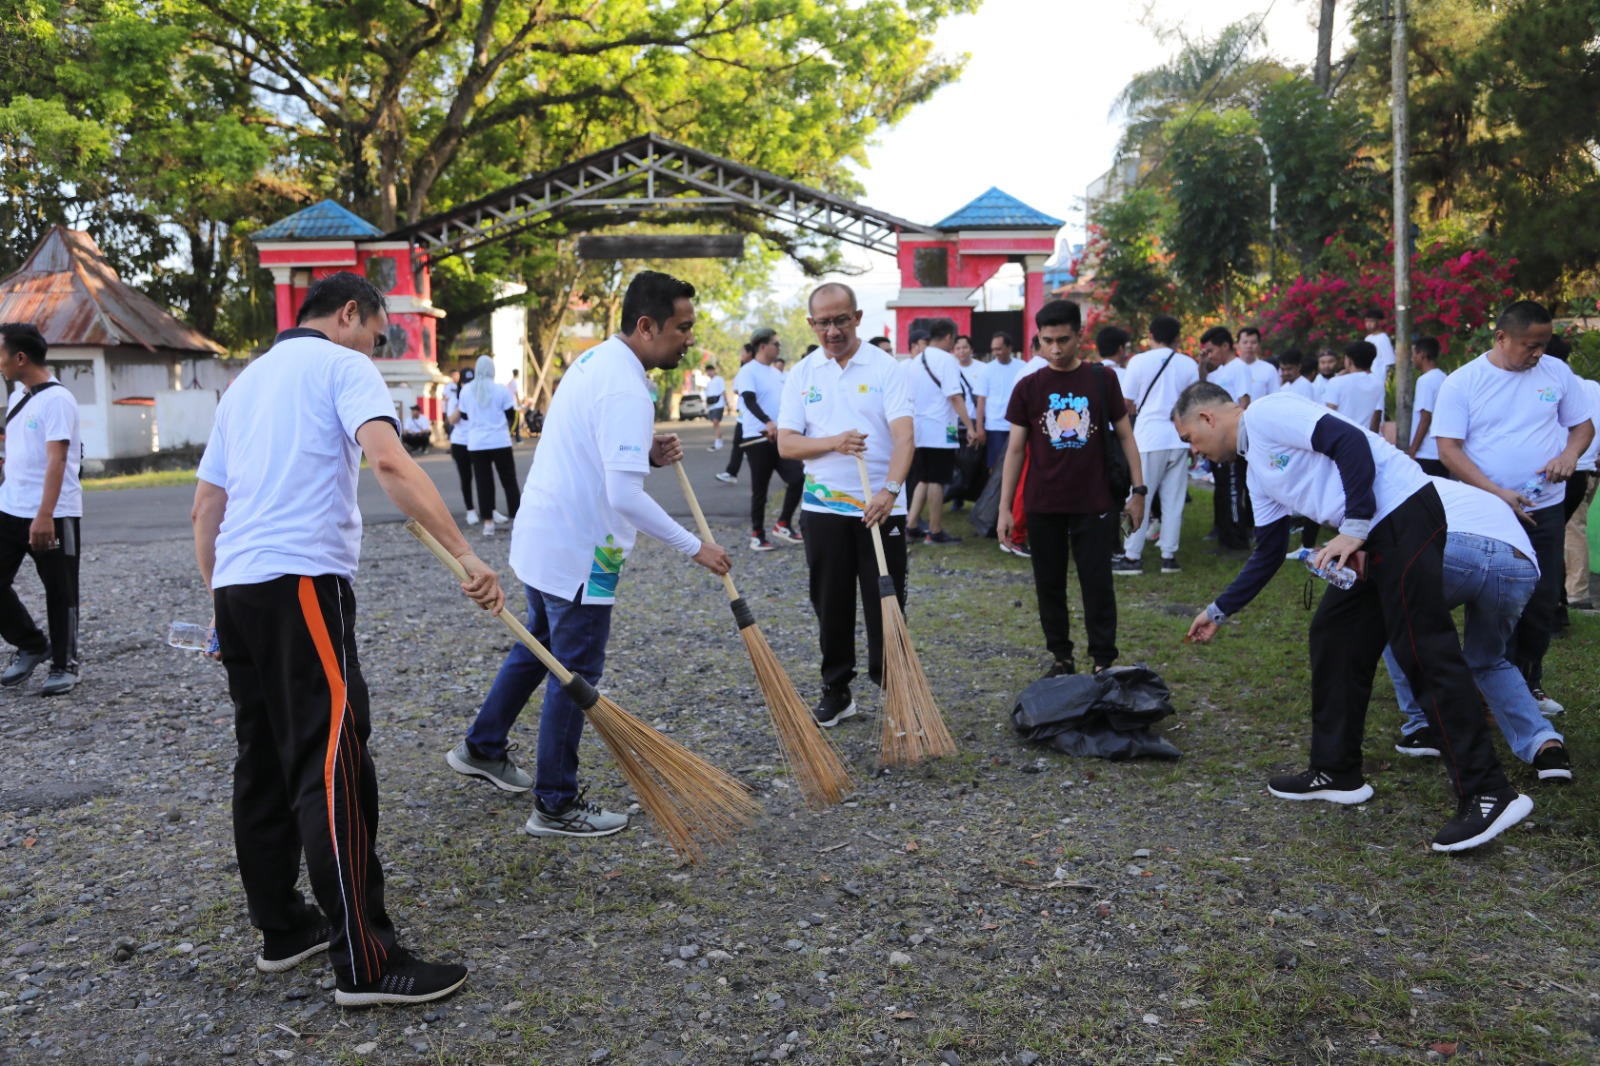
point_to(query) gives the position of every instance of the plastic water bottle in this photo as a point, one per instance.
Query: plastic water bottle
(1340, 577)
(1535, 488)
(187, 636)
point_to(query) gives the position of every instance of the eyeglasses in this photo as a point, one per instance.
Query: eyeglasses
(842, 322)
(379, 343)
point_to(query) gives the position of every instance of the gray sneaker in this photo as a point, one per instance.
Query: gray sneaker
(579, 818)
(502, 773)
(59, 683)
(22, 666)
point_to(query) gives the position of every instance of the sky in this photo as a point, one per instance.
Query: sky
(1031, 115)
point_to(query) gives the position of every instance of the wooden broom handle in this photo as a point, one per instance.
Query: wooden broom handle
(877, 537)
(561, 673)
(700, 522)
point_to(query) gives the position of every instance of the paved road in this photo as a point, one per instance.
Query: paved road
(142, 516)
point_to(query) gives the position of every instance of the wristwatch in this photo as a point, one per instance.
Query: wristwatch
(893, 486)
(1140, 490)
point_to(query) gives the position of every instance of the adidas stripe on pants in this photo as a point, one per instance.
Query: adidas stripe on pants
(303, 781)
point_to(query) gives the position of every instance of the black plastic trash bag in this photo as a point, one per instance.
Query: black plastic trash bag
(1106, 715)
(986, 512)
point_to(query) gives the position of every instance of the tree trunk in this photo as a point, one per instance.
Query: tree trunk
(200, 294)
(1322, 73)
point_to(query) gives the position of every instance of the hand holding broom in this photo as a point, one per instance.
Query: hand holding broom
(913, 726)
(691, 800)
(817, 767)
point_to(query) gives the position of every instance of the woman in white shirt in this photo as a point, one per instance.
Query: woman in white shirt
(483, 404)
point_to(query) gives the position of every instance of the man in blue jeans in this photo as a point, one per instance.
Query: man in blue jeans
(570, 543)
(1489, 567)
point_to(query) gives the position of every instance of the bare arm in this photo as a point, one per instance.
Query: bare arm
(959, 406)
(1424, 420)
(210, 503)
(795, 445)
(1010, 474)
(1579, 438)
(1135, 505)
(882, 502)
(42, 531)
(413, 492)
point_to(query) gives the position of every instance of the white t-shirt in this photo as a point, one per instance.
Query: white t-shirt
(1031, 366)
(977, 378)
(1427, 396)
(284, 449)
(1264, 379)
(936, 420)
(486, 423)
(821, 400)
(1001, 378)
(716, 391)
(1385, 357)
(1288, 478)
(1468, 509)
(764, 380)
(1152, 429)
(568, 541)
(458, 432)
(418, 424)
(1320, 387)
(1356, 396)
(1302, 386)
(51, 415)
(1233, 376)
(1592, 389)
(1512, 423)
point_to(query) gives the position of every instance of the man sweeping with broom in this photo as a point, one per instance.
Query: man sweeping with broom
(844, 400)
(570, 543)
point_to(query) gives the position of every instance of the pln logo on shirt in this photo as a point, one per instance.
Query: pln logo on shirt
(813, 395)
(1278, 460)
(1067, 422)
(1548, 395)
(31, 422)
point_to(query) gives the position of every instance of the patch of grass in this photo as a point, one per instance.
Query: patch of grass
(145, 480)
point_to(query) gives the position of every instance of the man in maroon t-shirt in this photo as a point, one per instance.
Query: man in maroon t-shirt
(1059, 417)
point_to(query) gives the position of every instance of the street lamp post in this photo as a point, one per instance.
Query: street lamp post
(1272, 212)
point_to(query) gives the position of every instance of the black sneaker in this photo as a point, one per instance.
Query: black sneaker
(1124, 565)
(1479, 819)
(1553, 764)
(284, 951)
(407, 980)
(1169, 565)
(942, 537)
(1422, 744)
(1314, 784)
(834, 706)
(1060, 668)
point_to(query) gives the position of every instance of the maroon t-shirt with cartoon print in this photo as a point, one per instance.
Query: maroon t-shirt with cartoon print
(1066, 425)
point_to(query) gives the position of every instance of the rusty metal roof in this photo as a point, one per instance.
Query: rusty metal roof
(67, 288)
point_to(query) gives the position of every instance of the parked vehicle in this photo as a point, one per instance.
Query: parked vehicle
(692, 405)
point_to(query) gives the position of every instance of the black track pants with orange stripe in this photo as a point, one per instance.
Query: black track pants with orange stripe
(303, 782)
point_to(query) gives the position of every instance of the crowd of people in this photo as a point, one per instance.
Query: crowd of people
(1477, 509)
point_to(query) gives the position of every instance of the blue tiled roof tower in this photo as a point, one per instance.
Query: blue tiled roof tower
(998, 210)
(324, 221)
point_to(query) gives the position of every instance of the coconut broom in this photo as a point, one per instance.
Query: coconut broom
(817, 767)
(913, 726)
(692, 801)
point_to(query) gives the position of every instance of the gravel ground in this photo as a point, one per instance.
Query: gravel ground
(996, 907)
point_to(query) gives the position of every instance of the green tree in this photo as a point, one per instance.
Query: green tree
(1126, 258)
(1219, 196)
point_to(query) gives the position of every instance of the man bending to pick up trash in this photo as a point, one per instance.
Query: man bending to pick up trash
(1305, 460)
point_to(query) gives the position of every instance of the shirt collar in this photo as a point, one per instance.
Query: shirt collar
(1242, 442)
(297, 332)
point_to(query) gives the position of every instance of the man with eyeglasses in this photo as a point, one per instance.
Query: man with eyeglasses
(278, 535)
(844, 400)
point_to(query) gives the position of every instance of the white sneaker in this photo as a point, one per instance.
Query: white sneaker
(488, 529)
(472, 517)
(1547, 706)
(498, 517)
(726, 478)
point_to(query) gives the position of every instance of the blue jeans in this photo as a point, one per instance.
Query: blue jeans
(995, 442)
(576, 635)
(1495, 584)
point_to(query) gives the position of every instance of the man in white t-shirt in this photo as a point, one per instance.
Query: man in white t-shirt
(760, 390)
(278, 537)
(1292, 374)
(1489, 567)
(1515, 424)
(1328, 363)
(1382, 346)
(41, 506)
(716, 406)
(1152, 384)
(1392, 526)
(1000, 377)
(975, 391)
(1357, 395)
(1230, 497)
(1264, 380)
(934, 380)
(1424, 442)
(417, 432)
(843, 401)
(583, 506)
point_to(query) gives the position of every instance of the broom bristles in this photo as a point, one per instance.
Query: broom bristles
(913, 726)
(818, 770)
(692, 802)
